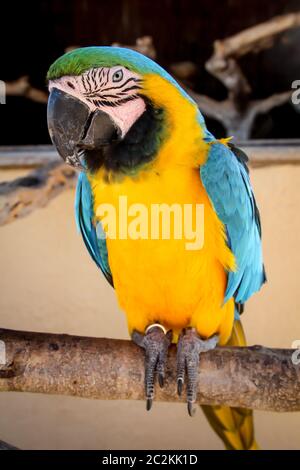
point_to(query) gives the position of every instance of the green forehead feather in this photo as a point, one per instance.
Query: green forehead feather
(80, 60)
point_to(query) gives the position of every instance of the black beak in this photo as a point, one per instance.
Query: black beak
(74, 129)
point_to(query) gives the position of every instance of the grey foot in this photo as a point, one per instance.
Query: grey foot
(189, 347)
(156, 344)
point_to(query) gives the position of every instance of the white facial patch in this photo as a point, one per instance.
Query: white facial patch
(112, 90)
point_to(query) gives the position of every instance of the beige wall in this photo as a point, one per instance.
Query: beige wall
(48, 283)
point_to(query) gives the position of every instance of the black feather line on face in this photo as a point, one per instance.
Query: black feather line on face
(84, 83)
(107, 77)
(93, 74)
(104, 97)
(131, 88)
(132, 79)
(117, 102)
(116, 96)
(98, 90)
(89, 82)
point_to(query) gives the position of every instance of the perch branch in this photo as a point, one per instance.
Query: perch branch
(108, 369)
(22, 195)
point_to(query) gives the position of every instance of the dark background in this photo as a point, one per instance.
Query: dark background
(34, 34)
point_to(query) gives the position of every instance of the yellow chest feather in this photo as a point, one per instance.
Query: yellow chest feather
(160, 280)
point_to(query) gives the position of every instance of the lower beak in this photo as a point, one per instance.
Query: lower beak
(73, 128)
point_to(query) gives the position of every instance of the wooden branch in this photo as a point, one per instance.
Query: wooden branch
(230, 74)
(238, 113)
(108, 369)
(267, 104)
(256, 38)
(237, 121)
(23, 195)
(22, 87)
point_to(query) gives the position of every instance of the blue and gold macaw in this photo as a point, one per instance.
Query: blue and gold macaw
(133, 131)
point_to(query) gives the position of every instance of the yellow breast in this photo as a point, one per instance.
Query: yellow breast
(162, 280)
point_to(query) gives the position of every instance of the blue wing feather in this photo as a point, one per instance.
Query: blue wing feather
(226, 180)
(92, 234)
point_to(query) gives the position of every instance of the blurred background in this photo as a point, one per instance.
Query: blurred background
(243, 85)
(180, 32)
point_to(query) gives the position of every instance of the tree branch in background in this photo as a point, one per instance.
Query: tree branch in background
(256, 38)
(109, 369)
(22, 87)
(222, 63)
(23, 195)
(238, 122)
(238, 112)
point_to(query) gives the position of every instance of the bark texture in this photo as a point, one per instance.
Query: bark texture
(107, 369)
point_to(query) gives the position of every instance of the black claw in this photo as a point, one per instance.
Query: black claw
(191, 408)
(149, 403)
(156, 344)
(179, 386)
(161, 380)
(189, 348)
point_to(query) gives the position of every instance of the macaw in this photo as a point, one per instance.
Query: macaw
(131, 130)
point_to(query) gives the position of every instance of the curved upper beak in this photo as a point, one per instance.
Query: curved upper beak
(73, 127)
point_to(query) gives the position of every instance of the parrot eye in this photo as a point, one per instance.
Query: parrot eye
(117, 76)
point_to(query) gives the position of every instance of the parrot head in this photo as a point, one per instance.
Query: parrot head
(111, 107)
